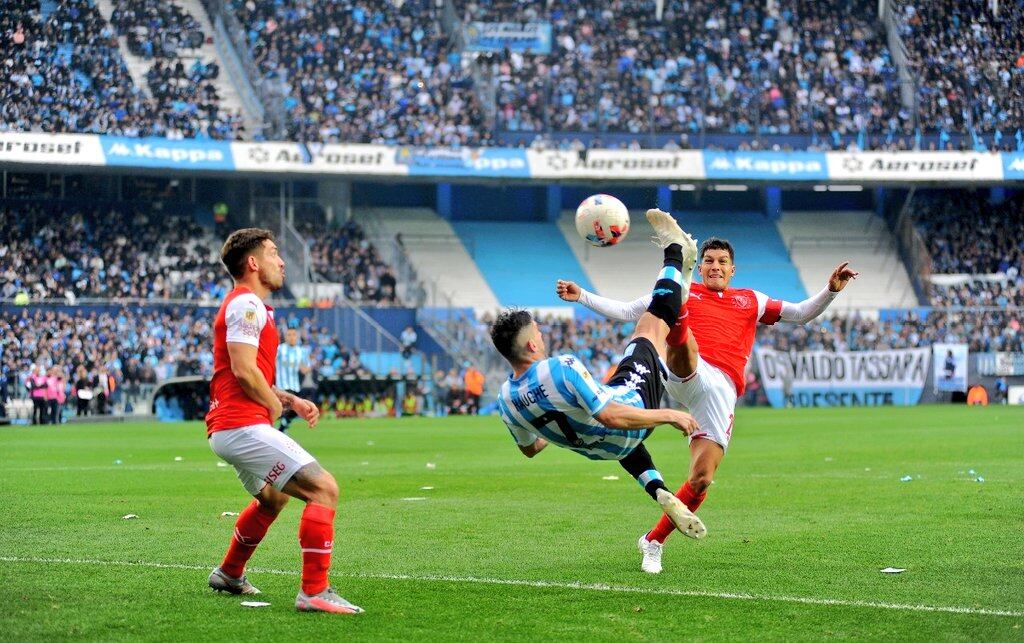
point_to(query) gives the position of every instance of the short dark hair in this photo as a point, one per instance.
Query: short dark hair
(506, 328)
(714, 243)
(239, 245)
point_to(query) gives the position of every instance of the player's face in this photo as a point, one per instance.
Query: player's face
(271, 266)
(716, 269)
(292, 337)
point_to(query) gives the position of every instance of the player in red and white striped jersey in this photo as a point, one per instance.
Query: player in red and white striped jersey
(244, 405)
(708, 351)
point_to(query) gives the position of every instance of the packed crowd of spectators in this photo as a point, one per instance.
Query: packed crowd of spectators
(969, 62)
(107, 357)
(366, 72)
(808, 67)
(983, 331)
(156, 29)
(117, 251)
(967, 235)
(342, 254)
(989, 293)
(161, 31)
(63, 72)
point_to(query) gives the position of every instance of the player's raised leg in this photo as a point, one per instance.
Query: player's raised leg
(640, 465)
(668, 294)
(318, 489)
(705, 456)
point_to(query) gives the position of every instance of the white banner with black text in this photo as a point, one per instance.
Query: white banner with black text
(844, 378)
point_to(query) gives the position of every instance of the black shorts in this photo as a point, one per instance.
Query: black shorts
(641, 369)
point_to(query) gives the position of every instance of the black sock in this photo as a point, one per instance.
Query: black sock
(640, 465)
(667, 296)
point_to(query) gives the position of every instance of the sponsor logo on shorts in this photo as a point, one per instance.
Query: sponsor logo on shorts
(275, 473)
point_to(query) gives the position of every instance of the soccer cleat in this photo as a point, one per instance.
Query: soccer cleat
(224, 583)
(326, 601)
(667, 232)
(684, 519)
(651, 550)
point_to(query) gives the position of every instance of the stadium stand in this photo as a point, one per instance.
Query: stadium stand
(520, 261)
(342, 254)
(818, 241)
(61, 251)
(983, 331)
(967, 234)
(807, 67)
(435, 252)
(970, 64)
(65, 73)
(375, 72)
(140, 347)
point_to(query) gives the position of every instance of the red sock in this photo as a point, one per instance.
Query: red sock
(250, 528)
(316, 537)
(665, 527)
(681, 331)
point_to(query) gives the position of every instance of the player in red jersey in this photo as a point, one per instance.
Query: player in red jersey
(708, 351)
(244, 406)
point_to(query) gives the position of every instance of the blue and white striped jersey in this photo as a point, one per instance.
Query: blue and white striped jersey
(557, 399)
(289, 359)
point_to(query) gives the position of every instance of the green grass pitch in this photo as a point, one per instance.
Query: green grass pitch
(806, 509)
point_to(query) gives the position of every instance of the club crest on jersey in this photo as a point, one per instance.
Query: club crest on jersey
(741, 301)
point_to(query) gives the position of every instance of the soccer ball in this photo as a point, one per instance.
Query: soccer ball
(602, 220)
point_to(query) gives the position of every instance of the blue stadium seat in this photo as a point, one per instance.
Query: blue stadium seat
(521, 261)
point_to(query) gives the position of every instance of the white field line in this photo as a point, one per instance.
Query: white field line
(593, 587)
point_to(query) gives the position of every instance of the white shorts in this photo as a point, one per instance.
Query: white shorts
(710, 397)
(261, 455)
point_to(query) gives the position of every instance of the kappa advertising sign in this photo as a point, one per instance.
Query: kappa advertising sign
(170, 154)
(316, 158)
(914, 166)
(616, 164)
(779, 166)
(51, 149)
(860, 378)
(1013, 166)
(488, 162)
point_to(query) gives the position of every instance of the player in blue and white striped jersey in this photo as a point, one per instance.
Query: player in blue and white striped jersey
(556, 400)
(292, 361)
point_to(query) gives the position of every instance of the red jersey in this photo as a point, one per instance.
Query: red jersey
(724, 323)
(244, 318)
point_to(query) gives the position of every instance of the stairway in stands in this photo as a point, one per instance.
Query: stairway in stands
(818, 241)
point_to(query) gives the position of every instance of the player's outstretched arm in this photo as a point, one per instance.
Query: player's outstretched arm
(623, 417)
(808, 309)
(610, 308)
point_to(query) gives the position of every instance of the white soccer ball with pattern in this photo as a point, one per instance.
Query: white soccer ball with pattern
(602, 220)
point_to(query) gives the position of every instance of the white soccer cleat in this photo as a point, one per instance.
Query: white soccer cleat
(326, 601)
(667, 232)
(224, 583)
(651, 550)
(685, 520)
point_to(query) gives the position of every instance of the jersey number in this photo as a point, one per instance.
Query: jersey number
(562, 422)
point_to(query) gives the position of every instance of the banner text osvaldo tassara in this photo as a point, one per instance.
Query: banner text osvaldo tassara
(844, 378)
